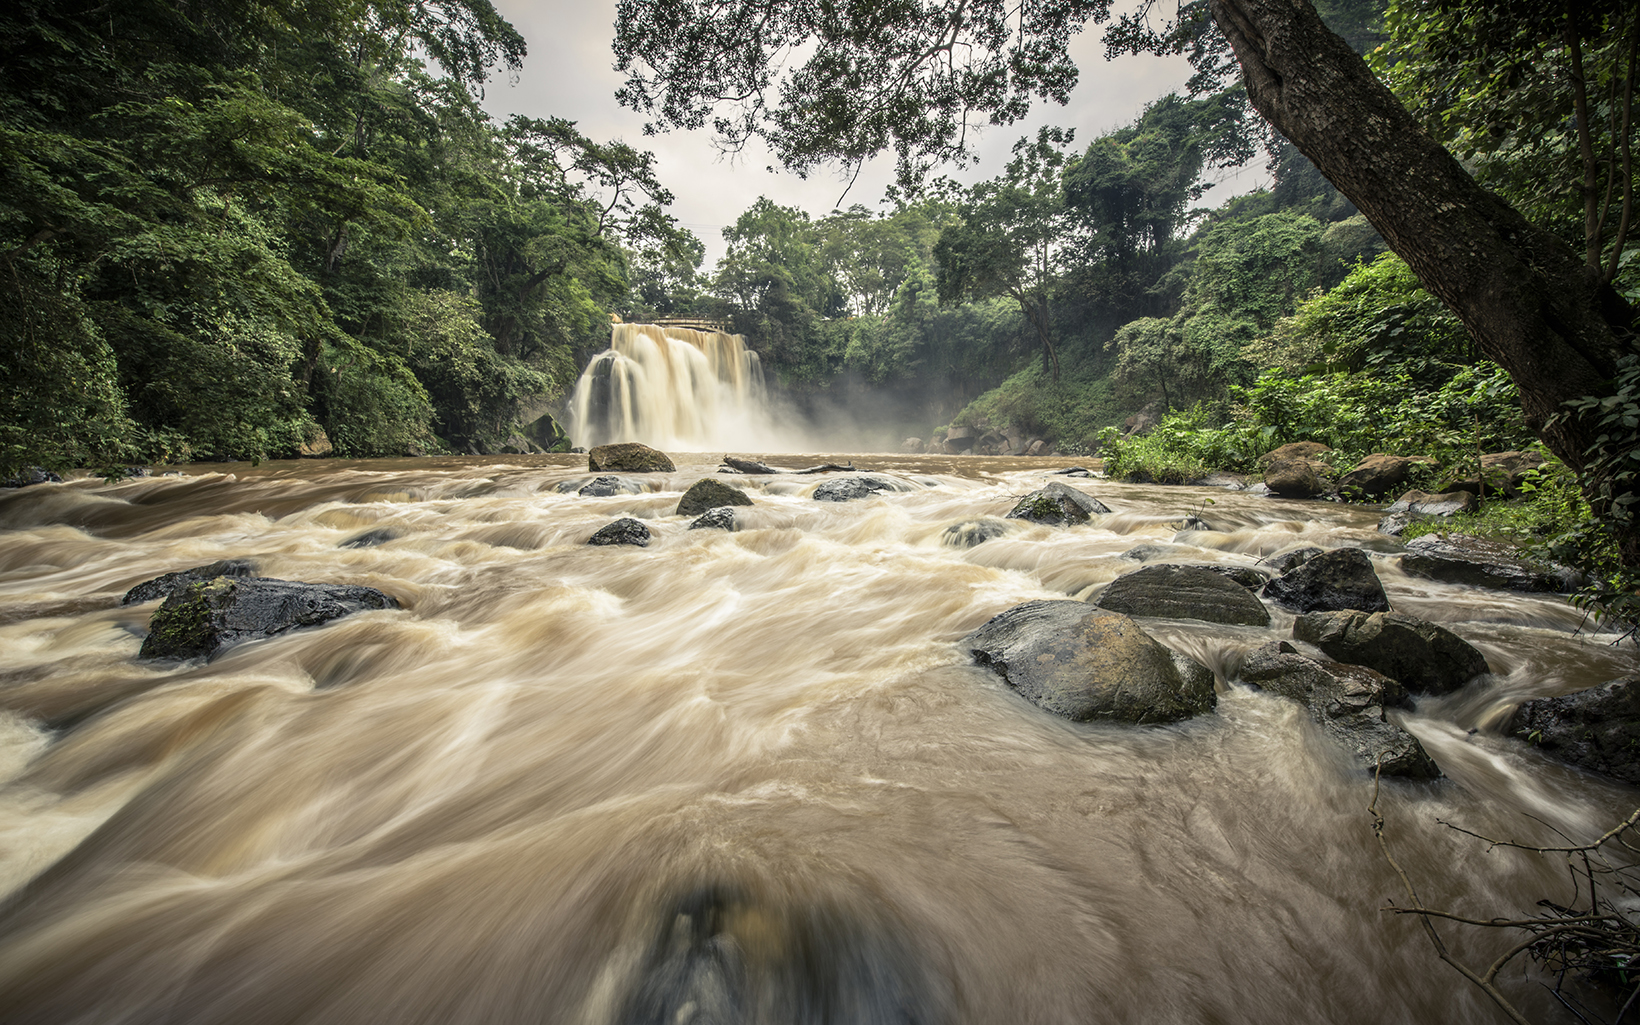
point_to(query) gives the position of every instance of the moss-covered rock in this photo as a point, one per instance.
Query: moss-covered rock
(1057, 504)
(171, 583)
(708, 493)
(207, 618)
(628, 457)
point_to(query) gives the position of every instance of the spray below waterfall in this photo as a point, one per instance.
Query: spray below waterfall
(673, 388)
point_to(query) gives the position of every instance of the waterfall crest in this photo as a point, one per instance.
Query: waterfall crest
(672, 388)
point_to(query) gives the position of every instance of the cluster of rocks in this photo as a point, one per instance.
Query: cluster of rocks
(1094, 662)
(981, 440)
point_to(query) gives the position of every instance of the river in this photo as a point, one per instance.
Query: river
(731, 777)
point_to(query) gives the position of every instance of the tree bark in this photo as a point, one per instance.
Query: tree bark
(1530, 302)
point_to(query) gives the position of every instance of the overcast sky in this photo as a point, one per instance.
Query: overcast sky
(568, 74)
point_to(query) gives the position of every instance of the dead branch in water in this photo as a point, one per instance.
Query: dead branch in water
(1600, 940)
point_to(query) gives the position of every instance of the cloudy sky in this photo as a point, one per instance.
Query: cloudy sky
(568, 74)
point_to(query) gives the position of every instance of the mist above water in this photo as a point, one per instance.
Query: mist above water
(731, 777)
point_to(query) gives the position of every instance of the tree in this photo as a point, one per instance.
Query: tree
(1014, 238)
(1532, 303)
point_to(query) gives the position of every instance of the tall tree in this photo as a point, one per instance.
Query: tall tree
(913, 76)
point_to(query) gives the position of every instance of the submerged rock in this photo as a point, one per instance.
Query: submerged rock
(628, 457)
(624, 531)
(720, 518)
(1084, 663)
(370, 538)
(707, 493)
(1421, 655)
(849, 489)
(209, 617)
(1057, 503)
(171, 583)
(1184, 592)
(1340, 579)
(603, 487)
(1596, 729)
(1286, 562)
(1481, 562)
(1347, 701)
(969, 533)
(1150, 552)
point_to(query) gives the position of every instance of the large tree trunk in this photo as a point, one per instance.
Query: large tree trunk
(1530, 302)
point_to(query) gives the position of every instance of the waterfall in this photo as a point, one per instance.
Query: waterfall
(672, 388)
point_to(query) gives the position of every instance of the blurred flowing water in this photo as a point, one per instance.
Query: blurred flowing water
(732, 777)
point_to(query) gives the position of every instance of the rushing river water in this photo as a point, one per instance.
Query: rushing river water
(732, 777)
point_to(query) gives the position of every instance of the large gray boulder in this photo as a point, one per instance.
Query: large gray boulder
(1340, 579)
(1057, 504)
(1184, 592)
(208, 617)
(1425, 503)
(1298, 478)
(628, 457)
(1419, 654)
(1379, 474)
(1481, 562)
(1348, 703)
(171, 583)
(1085, 663)
(1596, 729)
(708, 493)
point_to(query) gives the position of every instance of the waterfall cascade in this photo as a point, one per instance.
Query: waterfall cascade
(672, 388)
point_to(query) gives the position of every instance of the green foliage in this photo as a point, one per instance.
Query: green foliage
(371, 403)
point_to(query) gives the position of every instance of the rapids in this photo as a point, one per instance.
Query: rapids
(732, 777)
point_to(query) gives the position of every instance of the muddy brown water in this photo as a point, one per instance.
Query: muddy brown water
(732, 777)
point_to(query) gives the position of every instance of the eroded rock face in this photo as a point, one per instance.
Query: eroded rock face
(624, 531)
(707, 493)
(1421, 655)
(1348, 703)
(208, 617)
(1184, 592)
(1340, 579)
(848, 489)
(171, 583)
(1481, 562)
(1057, 504)
(1085, 663)
(1596, 729)
(628, 457)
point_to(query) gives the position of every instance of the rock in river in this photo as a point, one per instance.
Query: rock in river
(1184, 592)
(1347, 701)
(1056, 503)
(1419, 654)
(848, 489)
(1481, 562)
(209, 617)
(721, 518)
(628, 457)
(707, 493)
(1596, 729)
(1085, 663)
(1340, 579)
(171, 583)
(624, 531)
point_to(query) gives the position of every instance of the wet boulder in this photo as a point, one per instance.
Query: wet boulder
(1424, 503)
(708, 493)
(848, 489)
(1084, 663)
(1286, 562)
(720, 518)
(208, 617)
(1421, 655)
(1348, 702)
(1340, 579)
(1596, 729)
(628, 457)
(1251, 577)
(1293, 450)
(624, 531)
(1298, 478)
(1395, 524)
(605, 486)
(1481, 562)
(1184, 592)
(969, 533)
(1057, 504)
(1379, 474)
(1153, 551)
(171, 583)
(31, 475)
